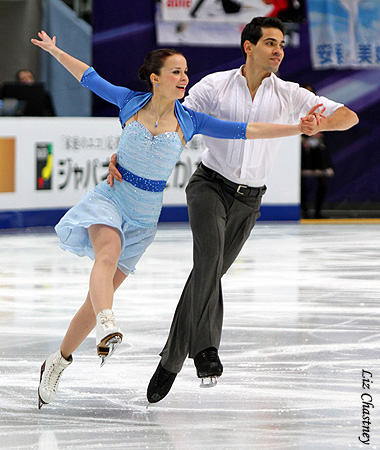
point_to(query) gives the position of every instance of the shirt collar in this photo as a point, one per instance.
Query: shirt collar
(239, 75)
(239, 72)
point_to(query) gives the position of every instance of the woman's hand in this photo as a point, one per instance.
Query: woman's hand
(311, 124)
(46, 42)
(76, 67)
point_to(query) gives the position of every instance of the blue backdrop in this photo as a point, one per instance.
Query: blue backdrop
(125, 33)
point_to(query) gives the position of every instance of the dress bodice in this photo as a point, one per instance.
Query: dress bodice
(148, 156)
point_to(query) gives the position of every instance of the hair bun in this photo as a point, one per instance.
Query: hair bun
(143, 75)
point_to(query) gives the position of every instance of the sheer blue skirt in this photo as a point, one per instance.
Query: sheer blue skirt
(96, 208)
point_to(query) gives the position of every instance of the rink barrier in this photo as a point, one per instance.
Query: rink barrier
(50, 217)
(48, 165)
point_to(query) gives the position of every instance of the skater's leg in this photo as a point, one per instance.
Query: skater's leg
(241, 218)
(220, 225)
(106, 243)
(176, 348)
(216, 246)
(80, 326)
(205, 209)
(84, 321)
(208, 228)
(237, 232)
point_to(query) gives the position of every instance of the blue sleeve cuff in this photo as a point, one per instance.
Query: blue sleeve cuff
(85, 75)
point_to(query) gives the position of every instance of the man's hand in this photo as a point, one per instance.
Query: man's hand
(114, 173)
(311, 124)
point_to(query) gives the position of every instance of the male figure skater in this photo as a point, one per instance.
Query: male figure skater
(224, 193)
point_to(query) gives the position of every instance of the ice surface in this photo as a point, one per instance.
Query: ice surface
(302, 319)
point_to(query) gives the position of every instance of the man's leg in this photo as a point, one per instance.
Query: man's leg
(207, 215)
(203, 196)
(221, 222)
(237, 233)
(212, 259)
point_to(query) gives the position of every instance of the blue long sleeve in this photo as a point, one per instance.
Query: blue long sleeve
(222, 129)
(118, 95)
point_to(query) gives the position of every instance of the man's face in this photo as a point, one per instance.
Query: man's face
(268, 53)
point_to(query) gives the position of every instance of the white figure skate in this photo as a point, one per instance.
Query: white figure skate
(51, 372)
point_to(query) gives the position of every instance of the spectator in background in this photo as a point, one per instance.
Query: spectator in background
(316, 165)
(25, 76)
(32, 97)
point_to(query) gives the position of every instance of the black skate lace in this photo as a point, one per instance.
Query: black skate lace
(211, 355)
(163, 376)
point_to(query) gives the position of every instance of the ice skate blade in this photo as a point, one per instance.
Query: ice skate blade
(107, 347)
(208, 382)
(40, 403)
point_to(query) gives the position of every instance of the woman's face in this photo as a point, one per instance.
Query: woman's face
(173, 79)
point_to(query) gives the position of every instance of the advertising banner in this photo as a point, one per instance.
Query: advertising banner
(7, 164)
(49, 164)
(219, 23)
(344, 33)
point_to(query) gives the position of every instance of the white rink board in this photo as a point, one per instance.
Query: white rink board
(81, 148)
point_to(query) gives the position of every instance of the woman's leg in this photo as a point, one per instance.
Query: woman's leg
(84, 321)
(106, 243)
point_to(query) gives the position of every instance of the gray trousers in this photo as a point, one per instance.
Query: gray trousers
(221, 220)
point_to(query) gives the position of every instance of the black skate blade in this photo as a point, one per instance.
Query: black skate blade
(40, 401)
(210, 382)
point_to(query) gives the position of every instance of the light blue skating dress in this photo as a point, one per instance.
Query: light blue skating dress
(132, 210)
(133, 206)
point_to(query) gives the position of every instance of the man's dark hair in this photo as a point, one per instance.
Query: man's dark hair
(253, 30)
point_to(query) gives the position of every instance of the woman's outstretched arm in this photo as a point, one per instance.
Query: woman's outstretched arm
(76, 67)
(308, 124)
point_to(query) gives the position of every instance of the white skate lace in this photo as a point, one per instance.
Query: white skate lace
(52, 377)
(107, 320)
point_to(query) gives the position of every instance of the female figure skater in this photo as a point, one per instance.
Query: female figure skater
(115, 225)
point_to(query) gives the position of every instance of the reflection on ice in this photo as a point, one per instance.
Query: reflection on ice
(301, 322)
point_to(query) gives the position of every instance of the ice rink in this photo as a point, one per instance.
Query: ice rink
(301, 324)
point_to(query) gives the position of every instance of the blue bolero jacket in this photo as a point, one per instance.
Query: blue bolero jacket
(191, 122)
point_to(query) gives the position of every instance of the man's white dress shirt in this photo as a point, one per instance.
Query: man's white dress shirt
(225, 95)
